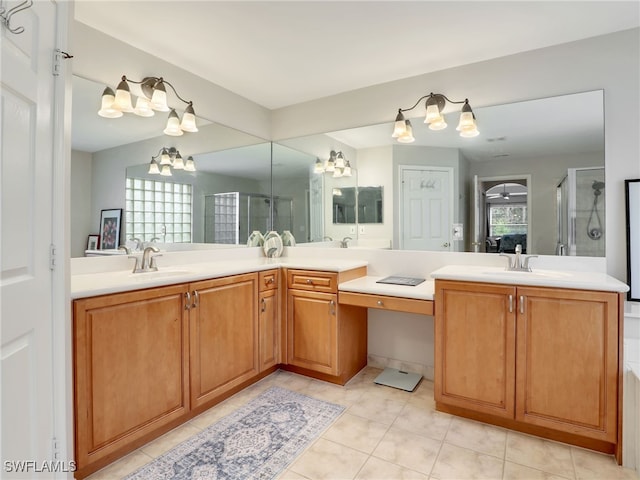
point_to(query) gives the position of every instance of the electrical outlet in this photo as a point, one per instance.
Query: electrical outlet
(352, 229)
(361, 229)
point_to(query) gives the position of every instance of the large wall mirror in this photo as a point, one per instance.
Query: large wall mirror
(534, 175)
(110, 162)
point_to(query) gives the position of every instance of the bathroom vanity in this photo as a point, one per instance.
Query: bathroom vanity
(538, 353)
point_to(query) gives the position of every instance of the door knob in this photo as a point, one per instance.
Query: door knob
(446, 244)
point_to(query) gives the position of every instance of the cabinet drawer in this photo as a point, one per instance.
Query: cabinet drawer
(268, 280)
(399, 304)
(312, 280)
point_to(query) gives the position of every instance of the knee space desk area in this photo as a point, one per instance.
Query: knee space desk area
(366, 292)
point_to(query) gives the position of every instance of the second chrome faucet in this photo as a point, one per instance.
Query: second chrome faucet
(518, 262)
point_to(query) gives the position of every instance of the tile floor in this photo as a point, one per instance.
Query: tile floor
(389, 434)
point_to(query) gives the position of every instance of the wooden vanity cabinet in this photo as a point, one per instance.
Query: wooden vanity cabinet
(269, 331)
(540, 360)
(223, 330)
(131, 370)
(324, 340)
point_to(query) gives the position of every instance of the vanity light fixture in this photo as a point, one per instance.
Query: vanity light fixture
(153, 99)
(434, 105)
(168, 159)
(335, 164)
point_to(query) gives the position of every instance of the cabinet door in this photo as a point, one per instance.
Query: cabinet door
(131, 368)
(223, 335)
(312, 331)
(567, 366)
(268, 330)
(475, 347)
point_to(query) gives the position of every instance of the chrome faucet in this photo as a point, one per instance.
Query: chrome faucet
(327, 237)
(126, 249)
(518, 262)
(138, 244)
(148, 261)
(343, 242)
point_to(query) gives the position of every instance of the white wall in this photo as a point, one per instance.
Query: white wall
(375, 169)
(610, 62)
(82, 222)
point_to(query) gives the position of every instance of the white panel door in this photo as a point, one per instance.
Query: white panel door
(27, 90)
(426, 208)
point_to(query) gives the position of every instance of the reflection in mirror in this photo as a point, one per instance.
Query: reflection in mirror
(104, 149)
(231, 192)
(539, 140)
(344, 205)
(369, 205)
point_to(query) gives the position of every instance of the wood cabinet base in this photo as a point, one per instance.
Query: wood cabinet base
(337, 379)
(558, 436)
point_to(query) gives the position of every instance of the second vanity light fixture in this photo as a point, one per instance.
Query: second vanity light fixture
(169, 158)
(435, 103)
(336, 164)
(153, 99)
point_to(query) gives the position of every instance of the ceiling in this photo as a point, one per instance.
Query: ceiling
(282, 53)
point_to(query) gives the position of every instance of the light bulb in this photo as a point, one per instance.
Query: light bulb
(122, 100)
(188, 123)
(178, 163)
(106, 109)
(173, 125)
(407, 136)
(159, 97)
(153, 167)
(190, 165)
(143, 108)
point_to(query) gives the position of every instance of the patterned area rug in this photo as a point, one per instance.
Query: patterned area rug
(257, 441)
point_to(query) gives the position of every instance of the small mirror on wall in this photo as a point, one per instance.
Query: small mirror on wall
(632, 196)
(344, 205)
(369, 204)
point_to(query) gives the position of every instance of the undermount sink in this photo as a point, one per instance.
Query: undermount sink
(532, 274)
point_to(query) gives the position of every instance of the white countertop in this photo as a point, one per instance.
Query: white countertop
(102, 283)
(538, 277)
(423, 291)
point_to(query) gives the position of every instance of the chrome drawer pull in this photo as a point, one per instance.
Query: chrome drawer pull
(522, 304)
(510, 303)
(332, 307)
(264, 305)
(187, 303)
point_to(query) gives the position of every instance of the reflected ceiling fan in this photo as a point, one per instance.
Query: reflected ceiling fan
(504, 194)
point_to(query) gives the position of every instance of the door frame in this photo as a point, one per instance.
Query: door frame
(505, 178)
(450, 171)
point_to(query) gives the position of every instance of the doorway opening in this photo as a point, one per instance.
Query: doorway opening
(502, 214)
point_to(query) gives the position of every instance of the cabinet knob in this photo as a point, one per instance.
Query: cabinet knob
(380, 303)
(269, 280)
(309, 281)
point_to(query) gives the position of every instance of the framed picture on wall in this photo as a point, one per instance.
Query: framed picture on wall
(110, 228)
(632, 201)
(93, 242)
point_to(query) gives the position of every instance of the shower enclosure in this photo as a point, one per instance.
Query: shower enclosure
(231, 217)
(581, 207)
